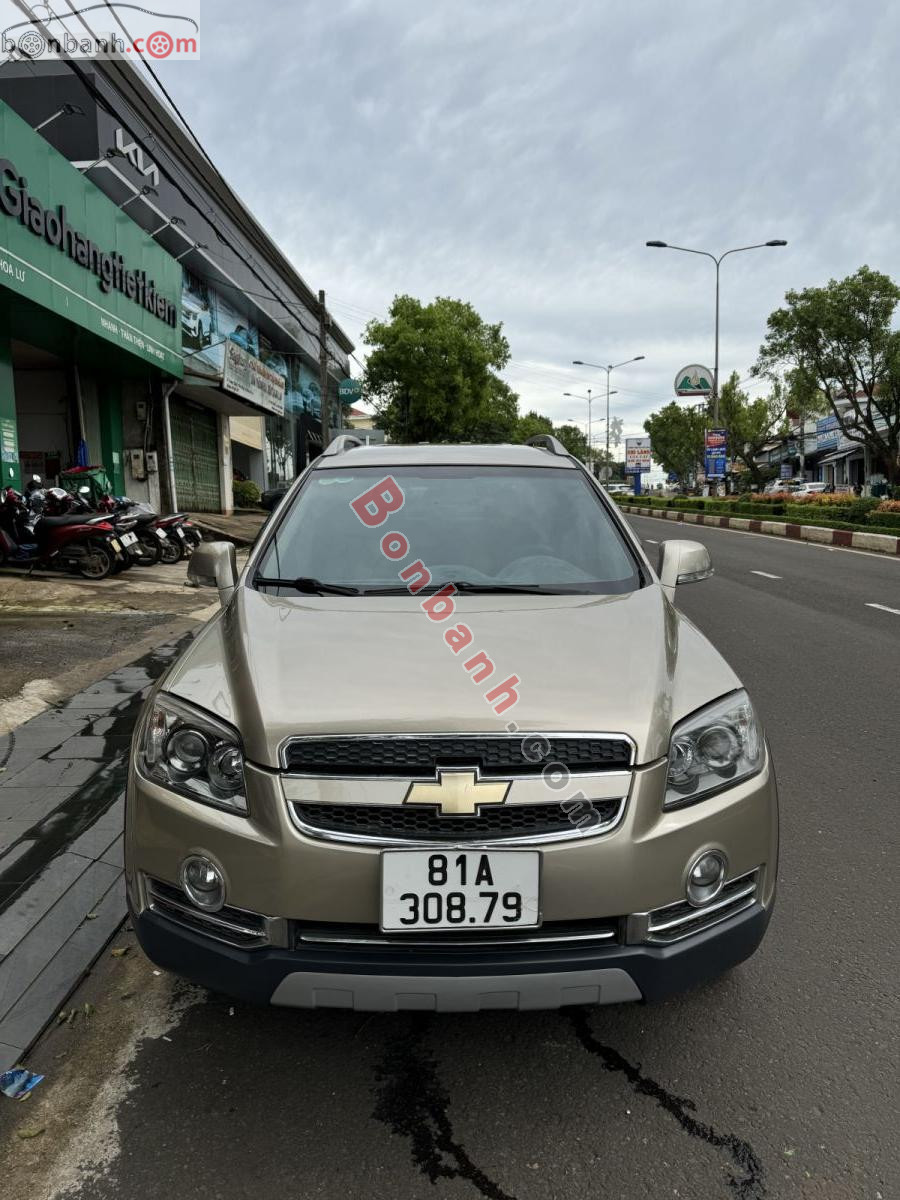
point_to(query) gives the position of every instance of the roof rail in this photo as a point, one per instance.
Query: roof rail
(343, 441)
(546, 441)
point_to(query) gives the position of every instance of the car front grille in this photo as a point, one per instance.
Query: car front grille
(418, 757)
(236, 926)
(679, 920)
(386, 823)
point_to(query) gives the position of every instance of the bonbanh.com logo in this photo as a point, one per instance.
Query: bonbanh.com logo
(140, 32)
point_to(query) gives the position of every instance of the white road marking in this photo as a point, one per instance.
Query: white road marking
(652, 541)
(884, 608)
(765, 575)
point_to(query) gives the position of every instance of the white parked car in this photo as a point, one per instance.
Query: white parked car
(620, 489)
(809, 489)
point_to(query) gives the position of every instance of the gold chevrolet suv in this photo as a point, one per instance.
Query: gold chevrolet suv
(449, 745)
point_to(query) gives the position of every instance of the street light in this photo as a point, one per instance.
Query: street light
(576, 362)
(67, 110)
(657, 245)
(146, 190)
(195, 246)
(590, 425)
(165, 225)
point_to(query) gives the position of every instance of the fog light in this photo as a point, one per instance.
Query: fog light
(706, 877)
(202, 881)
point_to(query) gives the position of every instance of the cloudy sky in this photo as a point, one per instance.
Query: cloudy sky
(519, 153)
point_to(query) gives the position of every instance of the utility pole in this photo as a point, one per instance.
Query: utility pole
(323, 369)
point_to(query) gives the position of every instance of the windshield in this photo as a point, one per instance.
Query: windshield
(492, 528)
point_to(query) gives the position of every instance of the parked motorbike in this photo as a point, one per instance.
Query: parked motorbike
(29, 537)
(59, 503)
(175, 536)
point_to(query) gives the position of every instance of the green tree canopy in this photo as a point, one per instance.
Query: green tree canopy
(750, 423)
(676, 434)
(431, 374)
(531, 425)
(841, 335)
(573, 439)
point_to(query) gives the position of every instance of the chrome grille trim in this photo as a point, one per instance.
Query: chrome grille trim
(675, 921)
(573, 833)
(322, 936)
(234, 926)
(503, 772)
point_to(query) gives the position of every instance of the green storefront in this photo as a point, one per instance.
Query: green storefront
(90, 320)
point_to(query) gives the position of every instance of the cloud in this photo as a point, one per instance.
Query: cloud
(518, 154)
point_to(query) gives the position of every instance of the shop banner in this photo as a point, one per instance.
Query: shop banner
(66, 247)
(827, 432)
(637, 455)
(247, 376)
(716, 453)
(716, 457)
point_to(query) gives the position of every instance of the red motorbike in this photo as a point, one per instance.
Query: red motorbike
(75, 543)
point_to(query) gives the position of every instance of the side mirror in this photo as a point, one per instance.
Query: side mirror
(214, 564)
(682, 562)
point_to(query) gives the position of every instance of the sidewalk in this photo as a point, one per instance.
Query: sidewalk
(241, 527)
(62, 778)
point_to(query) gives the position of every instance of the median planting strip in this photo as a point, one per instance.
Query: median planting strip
(860, 539)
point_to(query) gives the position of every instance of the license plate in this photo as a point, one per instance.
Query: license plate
(179, 531)
(116, 545)
(161, 534)
(129, 539)
(460, 889)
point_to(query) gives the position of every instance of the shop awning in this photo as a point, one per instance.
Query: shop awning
(838, 455)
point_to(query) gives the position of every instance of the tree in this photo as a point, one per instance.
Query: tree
(431, 373)
(573, 439)
(676, 435)
(750, 423)
(841, 334)
(531, 425)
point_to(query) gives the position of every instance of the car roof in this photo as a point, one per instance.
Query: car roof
(433, 454)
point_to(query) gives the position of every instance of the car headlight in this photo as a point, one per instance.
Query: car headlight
(194, 754)
(713, 749)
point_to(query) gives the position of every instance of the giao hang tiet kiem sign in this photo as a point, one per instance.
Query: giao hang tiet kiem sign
(66, 247)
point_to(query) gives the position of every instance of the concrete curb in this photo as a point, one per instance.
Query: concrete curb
(880, 543)
(219, 533)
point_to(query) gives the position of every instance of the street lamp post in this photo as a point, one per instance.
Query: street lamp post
(657, 245)
(590, 420)
(576, 362)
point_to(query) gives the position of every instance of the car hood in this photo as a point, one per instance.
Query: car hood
(280, 666)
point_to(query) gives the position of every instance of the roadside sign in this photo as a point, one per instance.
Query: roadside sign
(350, 391)
(694, 380)
(716, 456)
(637, 455)
(787, 471)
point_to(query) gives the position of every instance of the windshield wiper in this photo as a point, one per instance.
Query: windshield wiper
(463, 585)
(309, 586)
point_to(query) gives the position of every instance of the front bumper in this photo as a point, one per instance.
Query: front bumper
(392, 978)
(625, 875)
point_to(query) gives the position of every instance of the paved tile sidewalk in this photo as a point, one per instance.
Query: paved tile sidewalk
(62, 778)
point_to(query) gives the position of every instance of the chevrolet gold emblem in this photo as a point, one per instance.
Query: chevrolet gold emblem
(458, 792)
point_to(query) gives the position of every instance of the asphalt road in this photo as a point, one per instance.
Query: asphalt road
(779, 1080)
